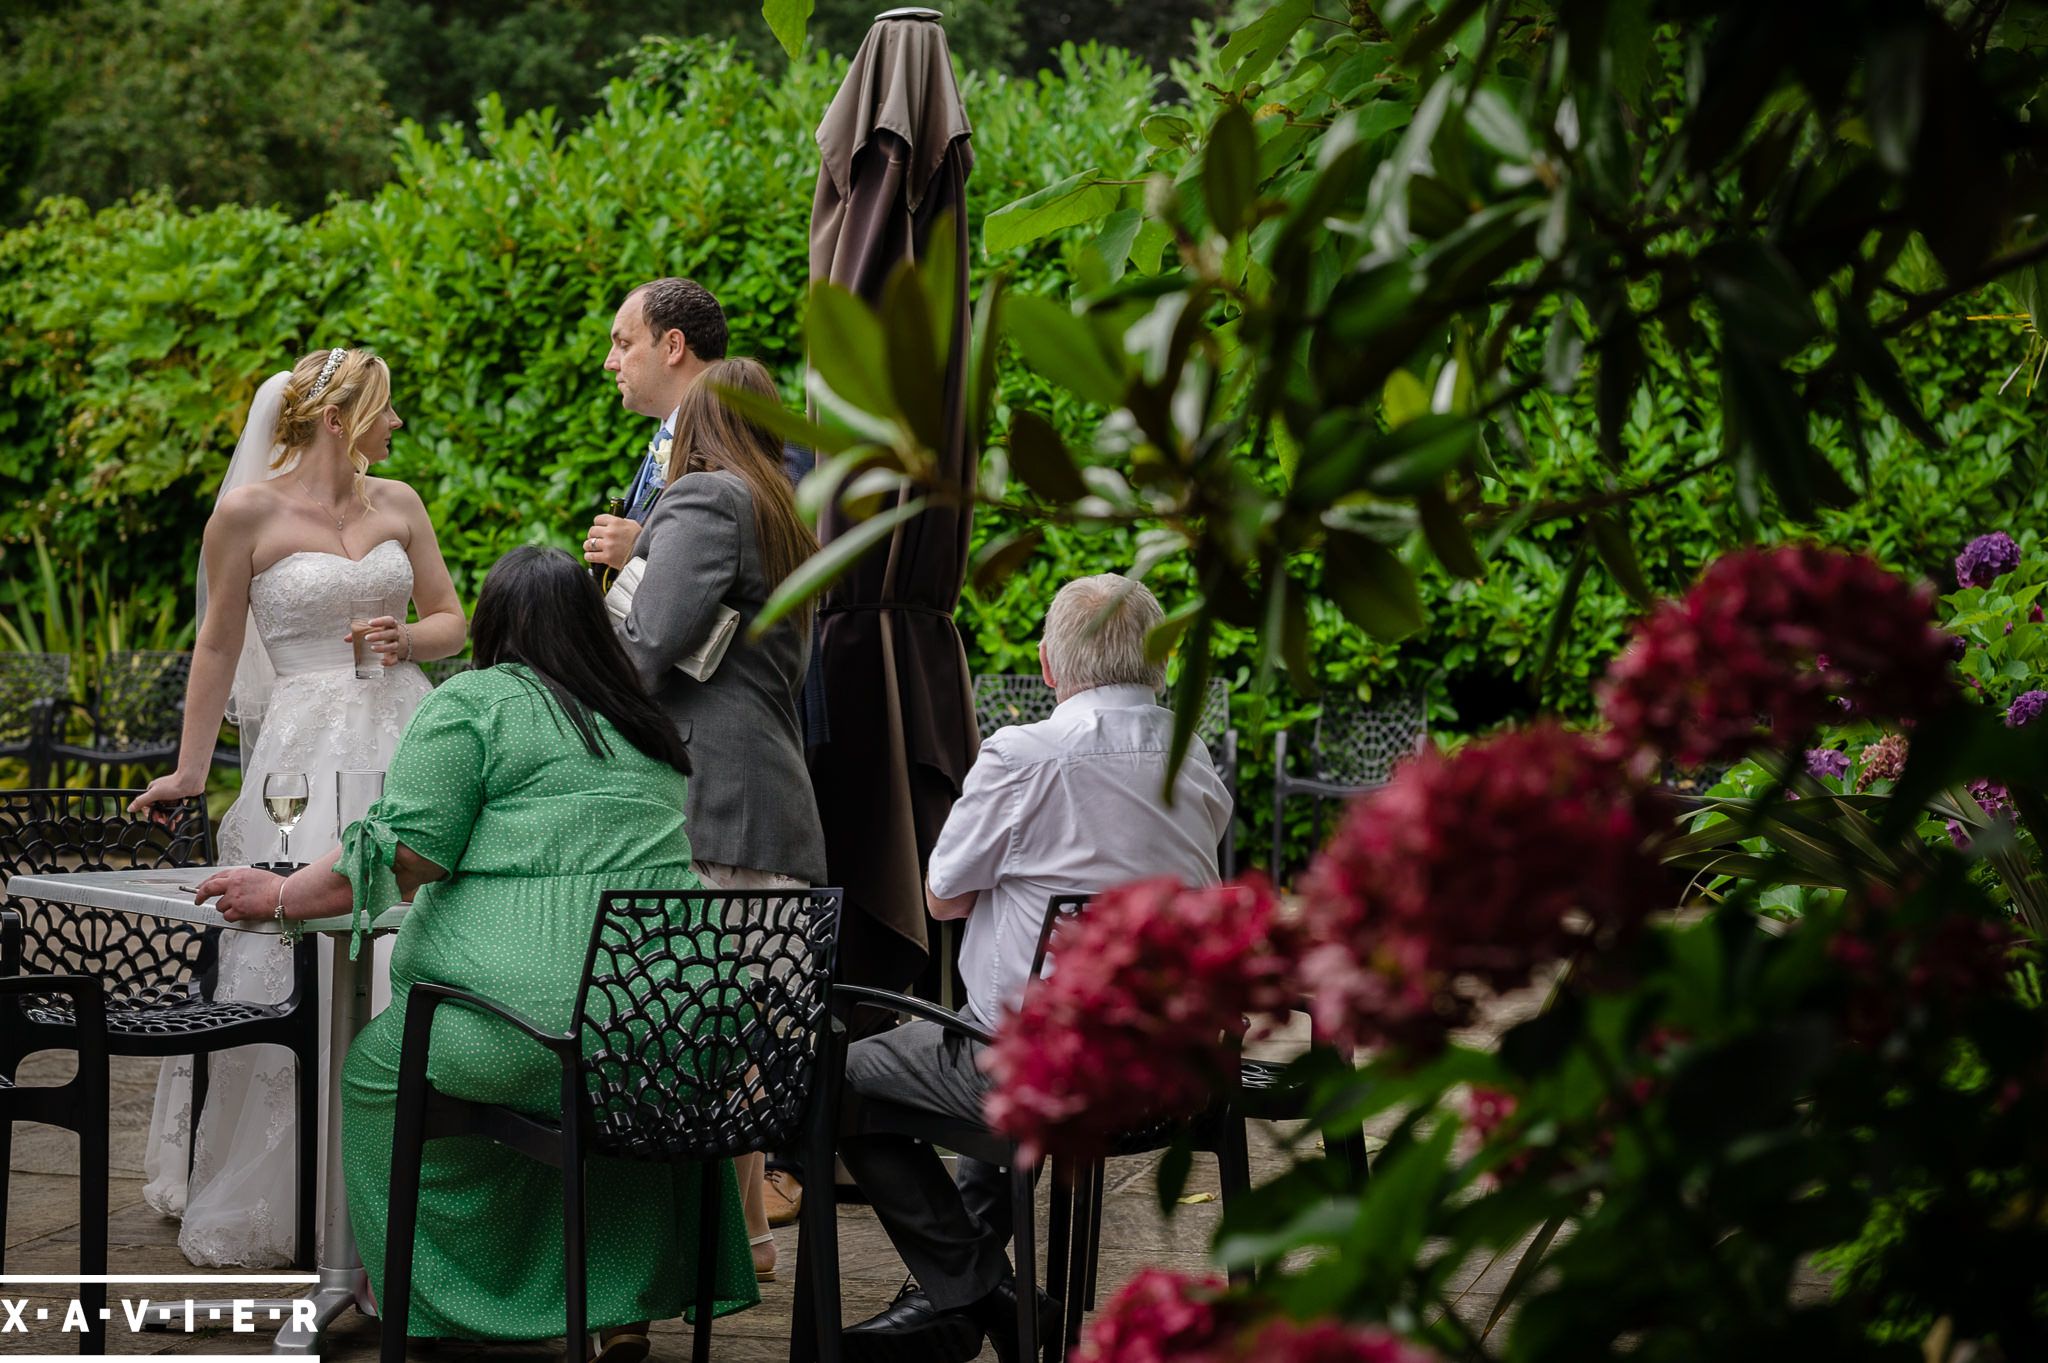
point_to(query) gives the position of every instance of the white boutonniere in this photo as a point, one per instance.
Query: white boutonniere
(658, 451)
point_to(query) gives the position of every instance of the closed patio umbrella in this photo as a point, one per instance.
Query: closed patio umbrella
(896, 156)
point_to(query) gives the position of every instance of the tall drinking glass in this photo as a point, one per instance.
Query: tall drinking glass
(284, 800)
(354, 793)
(360, 613)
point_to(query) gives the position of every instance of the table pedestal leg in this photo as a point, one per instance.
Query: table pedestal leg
(340, 1264)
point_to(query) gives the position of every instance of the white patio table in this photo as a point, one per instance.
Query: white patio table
(168, 894)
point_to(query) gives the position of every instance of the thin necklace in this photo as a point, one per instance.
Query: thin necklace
(338, 522)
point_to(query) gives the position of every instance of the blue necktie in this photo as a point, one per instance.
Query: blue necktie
(650, 482)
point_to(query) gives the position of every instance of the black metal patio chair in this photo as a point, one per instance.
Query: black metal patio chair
(701, 1032)
(157, 975)
(1356, 748)
(32, 687)
(1003, 698)
(135, 718)
(78, 1104)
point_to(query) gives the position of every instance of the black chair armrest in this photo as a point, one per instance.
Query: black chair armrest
(426, 998)
(10, 942)
(89, 1011)
(923, 1009)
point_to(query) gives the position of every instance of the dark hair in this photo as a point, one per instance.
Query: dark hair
(540, 608)
(684, 305)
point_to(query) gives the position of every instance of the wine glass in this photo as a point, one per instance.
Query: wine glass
(284, 800)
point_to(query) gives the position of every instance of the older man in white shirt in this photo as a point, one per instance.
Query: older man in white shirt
(1074, 804)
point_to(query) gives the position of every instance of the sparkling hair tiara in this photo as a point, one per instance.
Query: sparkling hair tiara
(334, 358)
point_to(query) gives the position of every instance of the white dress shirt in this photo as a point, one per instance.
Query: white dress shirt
(1071, 805)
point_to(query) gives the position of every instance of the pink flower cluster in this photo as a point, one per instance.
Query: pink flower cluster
(1767, 637)
(1162, 1317)
(1469, 871)
(1141, 1019)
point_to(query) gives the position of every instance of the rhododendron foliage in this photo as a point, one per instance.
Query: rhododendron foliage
(1140, 1019)
(1760, 646)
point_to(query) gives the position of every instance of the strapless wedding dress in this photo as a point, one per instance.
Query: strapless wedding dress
(240, 1207)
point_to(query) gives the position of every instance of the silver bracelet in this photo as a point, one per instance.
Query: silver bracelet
(406, 630)
(278, 912)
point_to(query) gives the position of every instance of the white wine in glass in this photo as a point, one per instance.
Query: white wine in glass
(284, 800)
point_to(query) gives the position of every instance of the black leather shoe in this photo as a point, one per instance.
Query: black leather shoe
(996, 1315)
(912, 1330)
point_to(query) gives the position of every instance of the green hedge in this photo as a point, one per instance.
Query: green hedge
(487, 272)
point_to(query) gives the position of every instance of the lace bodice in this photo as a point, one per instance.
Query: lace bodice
(301, 603)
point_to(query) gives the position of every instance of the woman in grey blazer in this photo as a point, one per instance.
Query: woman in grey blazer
(725, 531)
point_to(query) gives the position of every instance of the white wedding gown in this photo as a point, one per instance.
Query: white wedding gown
(241, 1206)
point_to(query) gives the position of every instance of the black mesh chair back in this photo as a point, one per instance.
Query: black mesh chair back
(139, 962)
(1005, 698)
(703, 1019)
(140, 701)
(702, 1031)
(1360, 743)
(441, 669)
(1357, 746)
(1002, 698)
(1058, 910)
(32, 686)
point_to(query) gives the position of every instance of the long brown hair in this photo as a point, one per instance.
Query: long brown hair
(711, 435)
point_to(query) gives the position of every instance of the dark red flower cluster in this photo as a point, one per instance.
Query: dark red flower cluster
(1470, 871)
(1162, 1317)
(1766, 638)
(1156, 1317)
(1896, 971)
(1141, 1018)
(1327, 1341)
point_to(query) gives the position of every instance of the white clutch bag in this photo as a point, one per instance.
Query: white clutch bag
(724, 624)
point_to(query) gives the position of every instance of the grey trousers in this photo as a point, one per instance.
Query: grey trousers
(951, 1235)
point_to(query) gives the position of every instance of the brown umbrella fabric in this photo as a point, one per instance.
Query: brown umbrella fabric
(896, 157)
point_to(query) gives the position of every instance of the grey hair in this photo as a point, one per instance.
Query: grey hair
(1095, 634)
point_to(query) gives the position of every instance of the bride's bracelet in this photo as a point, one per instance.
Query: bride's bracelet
(406, 630)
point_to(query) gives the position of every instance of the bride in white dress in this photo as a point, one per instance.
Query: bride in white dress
(300, 532)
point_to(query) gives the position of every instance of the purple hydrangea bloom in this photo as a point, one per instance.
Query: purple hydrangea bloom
(1988, 558)
(2025, 709)
(1827, 763)
(1957, 647)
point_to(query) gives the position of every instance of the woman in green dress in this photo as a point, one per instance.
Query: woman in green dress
(519, 792)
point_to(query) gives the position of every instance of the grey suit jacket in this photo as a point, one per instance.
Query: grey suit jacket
(750, 794)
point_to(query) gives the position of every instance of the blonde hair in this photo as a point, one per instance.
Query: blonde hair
(358, 388)
(711, 435)
(1095, 634)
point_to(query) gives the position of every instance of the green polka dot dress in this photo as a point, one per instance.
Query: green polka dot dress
(492, 782)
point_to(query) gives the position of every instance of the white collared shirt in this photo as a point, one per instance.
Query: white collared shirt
(1070, 805)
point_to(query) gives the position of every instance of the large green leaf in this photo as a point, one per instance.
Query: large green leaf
(1064, 348)
(916, 377)
(787, 20)
(1230, 165)
(1370, 585)
(847, 347)
(1041, 459)
(1254, 47)
(793, 426)
(830, 563)
(1062, 204)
